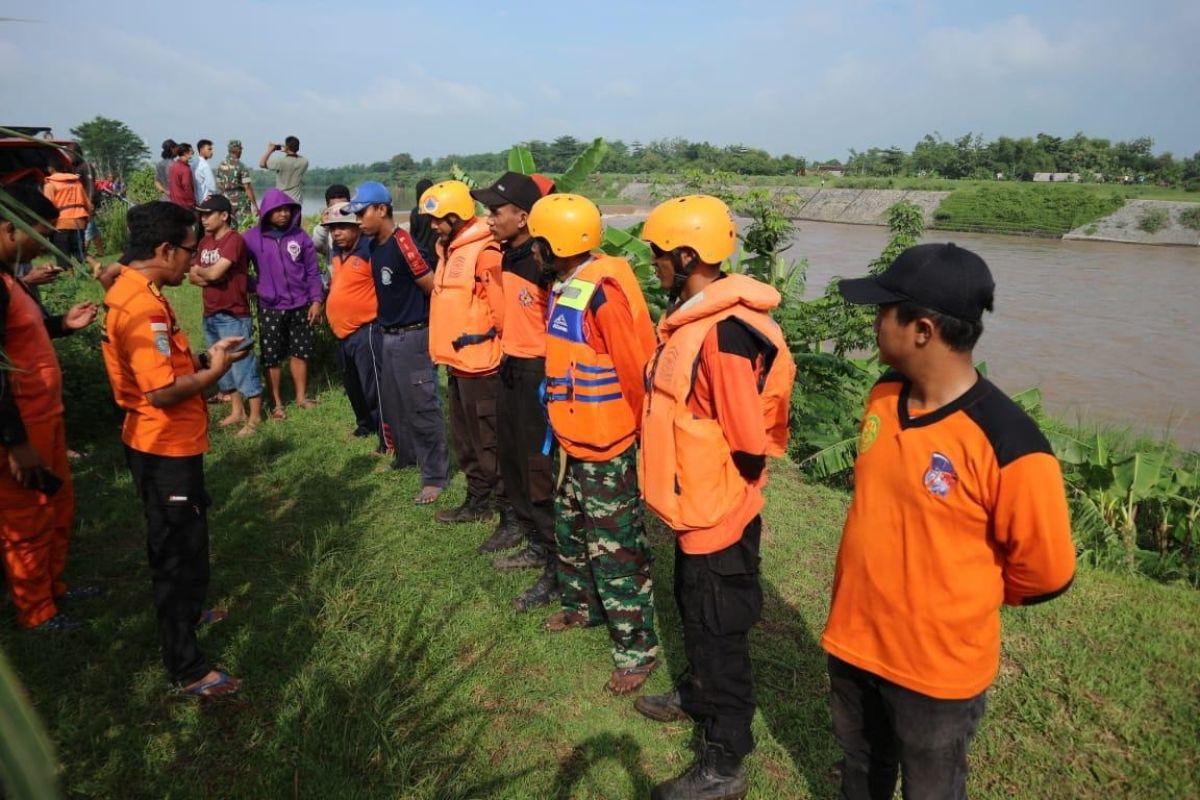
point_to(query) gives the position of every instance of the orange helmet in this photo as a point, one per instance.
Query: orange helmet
(569, 222)
(447, 197)
(698, 221)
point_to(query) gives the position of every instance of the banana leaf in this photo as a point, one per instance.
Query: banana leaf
(520, 159)
(584, 165)
(27, 762)
(833, 459)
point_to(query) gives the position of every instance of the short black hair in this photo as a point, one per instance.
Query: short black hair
(960, 335)
(168, 148)
(203, 142)
(27, 204)
(181, 148)
(152, 224)
(337, 190)
(292, 143)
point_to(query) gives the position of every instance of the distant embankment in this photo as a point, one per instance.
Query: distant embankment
(1018, 209)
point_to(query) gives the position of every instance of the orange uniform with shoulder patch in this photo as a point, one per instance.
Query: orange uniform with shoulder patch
(689, 476)
(145, 350)
(955, 512)
(466, 306)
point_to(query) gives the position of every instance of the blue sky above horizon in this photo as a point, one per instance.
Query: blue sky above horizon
(360, 81)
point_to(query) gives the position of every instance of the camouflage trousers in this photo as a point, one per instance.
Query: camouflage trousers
(243, 216)
(603, 556)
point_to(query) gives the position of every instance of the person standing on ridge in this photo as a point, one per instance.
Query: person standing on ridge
(599, 338)
(408, 387)
(233, 181)
(202, 174)
(717, 403)
(958, 508)
(466, 316)
(523, 441)
(180, 184)
(65, 189)
(289, 167)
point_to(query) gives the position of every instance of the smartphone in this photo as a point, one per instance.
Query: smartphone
(51, 483)
(243, 345)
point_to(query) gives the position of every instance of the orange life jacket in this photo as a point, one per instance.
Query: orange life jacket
(688, 475)
(588, 412)
(69, 198)
(33, 371)
(461, 333)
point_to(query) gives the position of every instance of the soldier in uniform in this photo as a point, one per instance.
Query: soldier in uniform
(233, 181)
(599, 338)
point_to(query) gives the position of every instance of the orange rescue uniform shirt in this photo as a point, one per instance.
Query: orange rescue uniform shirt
(955, 512)
(525, 301)
(351, 302)
(145, 350)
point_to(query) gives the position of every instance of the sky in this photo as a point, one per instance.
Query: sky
(361, 80)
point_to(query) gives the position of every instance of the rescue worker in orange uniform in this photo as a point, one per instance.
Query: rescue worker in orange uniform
(599, 337)
(718, 393)
(37, 503)
(466, 317)
(66, 190)
(160, 384)
(958, 508)
(525, 462)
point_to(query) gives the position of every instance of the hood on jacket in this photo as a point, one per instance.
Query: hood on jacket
(273, 200)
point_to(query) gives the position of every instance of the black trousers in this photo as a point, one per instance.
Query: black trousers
(720, 600)
(176, 507)
(885, 730)
(70, 242)
(358, 355)
(528, 475)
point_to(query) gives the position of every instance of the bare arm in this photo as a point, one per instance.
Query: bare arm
(262, 162)
(185, 386)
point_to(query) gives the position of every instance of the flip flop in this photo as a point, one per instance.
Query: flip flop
(212, 616)
(279, 414)
(428, 495)
(629, 679)
(214, 688)
(306, 404)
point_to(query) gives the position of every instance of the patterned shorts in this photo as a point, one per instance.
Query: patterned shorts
(285, 333)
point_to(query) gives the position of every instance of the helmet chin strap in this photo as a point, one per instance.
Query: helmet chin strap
(682, 273)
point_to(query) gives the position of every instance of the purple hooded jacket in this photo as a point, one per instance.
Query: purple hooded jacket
(285, 261)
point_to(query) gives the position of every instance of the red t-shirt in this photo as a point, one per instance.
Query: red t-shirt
(229, 293)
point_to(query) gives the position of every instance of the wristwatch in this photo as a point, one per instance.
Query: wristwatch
(203, 360)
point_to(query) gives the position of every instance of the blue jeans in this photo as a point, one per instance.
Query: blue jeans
(243, 377)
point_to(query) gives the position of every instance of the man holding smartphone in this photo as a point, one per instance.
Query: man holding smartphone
(37, 504)
(160, 384)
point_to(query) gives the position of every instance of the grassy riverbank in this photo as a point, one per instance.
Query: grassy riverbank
(382, 659)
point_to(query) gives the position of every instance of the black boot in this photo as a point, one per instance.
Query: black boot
(507, 533)
(716, 774)
(526, 558)
(473, 509)
(542, 593)
(662, 707)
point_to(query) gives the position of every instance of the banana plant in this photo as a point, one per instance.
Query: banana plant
(27, 762)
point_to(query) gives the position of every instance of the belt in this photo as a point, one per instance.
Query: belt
(415, 326)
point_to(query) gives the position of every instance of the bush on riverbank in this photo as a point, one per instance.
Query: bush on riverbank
(1039, 210)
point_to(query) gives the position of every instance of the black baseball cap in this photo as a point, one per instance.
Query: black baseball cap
(215, 202)
(940, 277)
(512, 187)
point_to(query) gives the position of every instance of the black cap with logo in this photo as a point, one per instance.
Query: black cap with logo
(512, 187)
(215, 202)
(940, 277)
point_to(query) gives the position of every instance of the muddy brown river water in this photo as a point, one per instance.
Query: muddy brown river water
(1110, 333)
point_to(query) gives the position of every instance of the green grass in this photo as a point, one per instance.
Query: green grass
(1034, 209)
(382, 658)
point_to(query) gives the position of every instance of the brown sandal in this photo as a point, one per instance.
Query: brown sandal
(629, 679)
(561, 621)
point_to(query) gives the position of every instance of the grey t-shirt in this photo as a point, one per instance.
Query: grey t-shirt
(162, 173)
(289, 174)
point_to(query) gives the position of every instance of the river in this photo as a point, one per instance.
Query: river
(1110, 333)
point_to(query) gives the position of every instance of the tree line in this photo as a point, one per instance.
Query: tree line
(115, 147)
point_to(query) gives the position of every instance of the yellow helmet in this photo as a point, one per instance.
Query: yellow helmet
(698, 221)
(447, 197)
(569, 222)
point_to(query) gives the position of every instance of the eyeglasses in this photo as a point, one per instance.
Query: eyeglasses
(191, 250)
